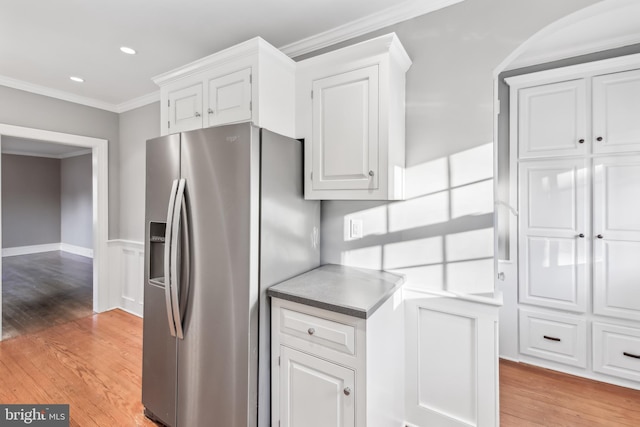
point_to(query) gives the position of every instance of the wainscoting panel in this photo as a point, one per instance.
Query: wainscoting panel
(126, 258)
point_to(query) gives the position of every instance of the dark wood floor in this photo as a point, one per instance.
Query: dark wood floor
(532, 396)
(45, 289)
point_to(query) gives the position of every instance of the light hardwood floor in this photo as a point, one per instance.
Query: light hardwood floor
(44, 289)
(95, 363)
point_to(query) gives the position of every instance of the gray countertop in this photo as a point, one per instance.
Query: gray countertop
(356, 292)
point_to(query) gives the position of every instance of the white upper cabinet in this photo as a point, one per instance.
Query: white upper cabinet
(250, 81)
(552, 120)
(616, 112)
(351, 108)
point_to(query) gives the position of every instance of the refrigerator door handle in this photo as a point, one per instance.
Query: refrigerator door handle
(167, 258)
(175, 247)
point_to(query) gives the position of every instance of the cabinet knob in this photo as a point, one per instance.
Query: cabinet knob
(581, 235)
(347, 391)
(197, 114)
(600, 236)
(581, 141)
(599, 139)
(210, 111)
(371, 173)
(311, 331)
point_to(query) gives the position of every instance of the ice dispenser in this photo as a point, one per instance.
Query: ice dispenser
(156, 252)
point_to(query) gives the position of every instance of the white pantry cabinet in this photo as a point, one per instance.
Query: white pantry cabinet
(334, 370)
(250, 81)
(576, 141)
(351, 113)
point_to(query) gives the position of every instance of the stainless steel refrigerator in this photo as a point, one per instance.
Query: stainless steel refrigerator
(225, 219)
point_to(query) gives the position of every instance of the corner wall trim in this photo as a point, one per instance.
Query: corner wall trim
(48, 247)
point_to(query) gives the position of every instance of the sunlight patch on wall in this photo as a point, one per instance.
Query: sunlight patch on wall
(470, 277)
(469, 245)
(374, 222)
(474, 199)
(426, 178)
(423, 278)
(473, 165)
(419, 212)
(412, 253)
(369, 257)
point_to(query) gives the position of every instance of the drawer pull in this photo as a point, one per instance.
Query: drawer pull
(635, 356)
(547, 337)
(311, 331)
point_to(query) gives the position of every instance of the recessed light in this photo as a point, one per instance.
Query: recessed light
(77, 79)
(128, 50)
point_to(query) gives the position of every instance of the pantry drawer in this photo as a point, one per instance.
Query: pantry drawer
(616, 350)
(317, 330)
(554, 336)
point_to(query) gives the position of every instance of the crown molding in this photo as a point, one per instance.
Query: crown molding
(54, 93)
(138, 102)
(393, 15)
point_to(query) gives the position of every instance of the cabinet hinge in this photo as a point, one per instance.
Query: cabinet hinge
(278, 360)
(311, 176)
(311, 94)
(250, 78)
(169, 124)
(168, 103)
(250, 105)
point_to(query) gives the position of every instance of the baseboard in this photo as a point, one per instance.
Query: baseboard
(33, 249)
(78, 250)
(49, 247)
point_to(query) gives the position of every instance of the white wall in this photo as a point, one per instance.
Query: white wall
(441, 237)
(136, 126)
(76, 201)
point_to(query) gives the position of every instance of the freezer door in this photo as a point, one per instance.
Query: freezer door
(217, 359)
(159, 347)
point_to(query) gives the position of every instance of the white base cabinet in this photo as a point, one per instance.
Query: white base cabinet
(334, 370)
(250, 81)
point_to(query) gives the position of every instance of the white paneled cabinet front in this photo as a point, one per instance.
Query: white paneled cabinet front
(345, 131)
(351, 107)
(553, 119)
(554, 233)
(616, 109)
(250, 81)
(616, 221)
(315, 392)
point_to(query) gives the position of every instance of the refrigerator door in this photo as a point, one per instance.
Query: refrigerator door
(159, 347)
(217, 359)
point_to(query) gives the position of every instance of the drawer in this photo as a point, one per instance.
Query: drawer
(554, 336)
(616, 350)
(317, 330)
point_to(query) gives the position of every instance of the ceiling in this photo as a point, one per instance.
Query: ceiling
(38, 148)
(43, 43)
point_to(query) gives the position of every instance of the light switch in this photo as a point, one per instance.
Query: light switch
(355, 229)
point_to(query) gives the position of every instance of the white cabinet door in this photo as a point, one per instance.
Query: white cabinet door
(230, 98)
(185, 108)
(345, 131)
(554, 234)
(616, 112)
(315, 392)
(616, 219)
(552, 119)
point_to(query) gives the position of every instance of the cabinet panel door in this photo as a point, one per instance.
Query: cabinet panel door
(313, 391)
(553, 258)
(185, 109)
(345, 131)
(616, 112)
(552, 119)
(230, 98)
(616, 219)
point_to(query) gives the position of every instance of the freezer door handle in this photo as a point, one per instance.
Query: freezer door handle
(167, 257)
(175, 248)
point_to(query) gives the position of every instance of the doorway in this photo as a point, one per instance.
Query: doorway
(99, 184)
